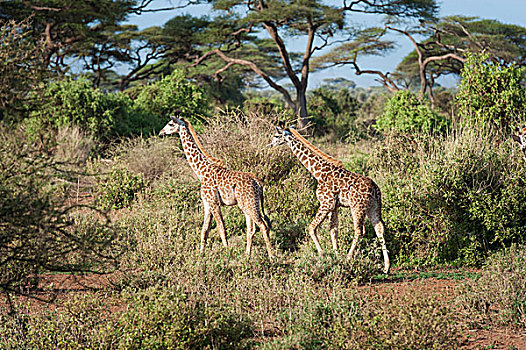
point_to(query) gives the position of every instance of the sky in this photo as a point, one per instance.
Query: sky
(505, 11)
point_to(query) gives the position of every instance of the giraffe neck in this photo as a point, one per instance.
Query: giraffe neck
(199, 163)
(314, 163)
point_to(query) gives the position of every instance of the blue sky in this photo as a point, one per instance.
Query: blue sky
(506, 11)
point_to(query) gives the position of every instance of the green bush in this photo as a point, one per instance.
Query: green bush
(331, 112)
(161, 318)
(332, 269)
(162, 98)
(405, 113)
(498, 296)
(143, 110)
(491, 93)
(343, 321)
(75, 103)
(450, 198)
(118, 189)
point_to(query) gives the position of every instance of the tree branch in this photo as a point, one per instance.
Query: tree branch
(233, 61)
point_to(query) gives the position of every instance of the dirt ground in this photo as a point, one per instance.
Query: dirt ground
(62, 286)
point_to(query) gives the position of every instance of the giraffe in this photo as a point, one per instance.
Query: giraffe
(337, 187)
(221, 187)
(521, 140)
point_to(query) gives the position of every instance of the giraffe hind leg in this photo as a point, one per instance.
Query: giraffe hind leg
(333, 227)
(251, 229)
(379, 228)
(358, 218)
(206, 225)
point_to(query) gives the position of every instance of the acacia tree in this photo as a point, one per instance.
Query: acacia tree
(446, 43)
(314, 22)
(77, 29)
(21, 65)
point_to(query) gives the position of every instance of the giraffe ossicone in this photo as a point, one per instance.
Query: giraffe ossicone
(221, 186)
(337, 187)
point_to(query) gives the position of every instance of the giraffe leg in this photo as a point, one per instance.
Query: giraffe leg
(318, 219)
(263, 226)
(206, 225)
(358, 218)
(376, 220)
(216, 212)
(333, 227)
(251, 229)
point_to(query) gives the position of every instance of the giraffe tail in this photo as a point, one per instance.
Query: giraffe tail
(265, 217)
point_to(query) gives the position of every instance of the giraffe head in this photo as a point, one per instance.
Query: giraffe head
(173, 126)
(521, 140)
(280, 137)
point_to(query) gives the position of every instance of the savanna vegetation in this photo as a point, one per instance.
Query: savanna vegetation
(89, 192)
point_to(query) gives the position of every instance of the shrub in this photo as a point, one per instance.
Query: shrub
(70, 102)
(78, 323)
(331, 269)
(119, 188)
(498, 296)
(332, 112)
(491, 93)
(343, 321)
(143, 110)
(39, 229)
(405, 113)
(162, 98)
(161, 318)
(450, 198)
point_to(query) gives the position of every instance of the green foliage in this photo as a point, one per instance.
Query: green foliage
(107, 115)
(160, 318)
(162, 98)
(499, 295)
(332, 269)
(450, 198)
(21, 67)
(344, 321)
(76, 103)
(332, 111)
(404, 112)
(491, 93)
(119, 188)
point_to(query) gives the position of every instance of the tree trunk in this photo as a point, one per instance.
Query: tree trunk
(301, 109)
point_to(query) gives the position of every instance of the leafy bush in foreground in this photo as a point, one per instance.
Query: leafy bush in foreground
(39, 231)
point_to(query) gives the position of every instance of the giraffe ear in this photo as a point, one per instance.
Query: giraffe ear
(287, 132)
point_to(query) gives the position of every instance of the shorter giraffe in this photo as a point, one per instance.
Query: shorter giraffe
(337, 187)
(521, 140)
(221, 186)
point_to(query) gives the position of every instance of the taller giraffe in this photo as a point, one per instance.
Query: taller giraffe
(337, 187)
(221, 186)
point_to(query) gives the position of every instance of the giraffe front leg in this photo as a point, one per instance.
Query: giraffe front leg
(318, 219)
(333, 227)
(216, 212)
(206, 225)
